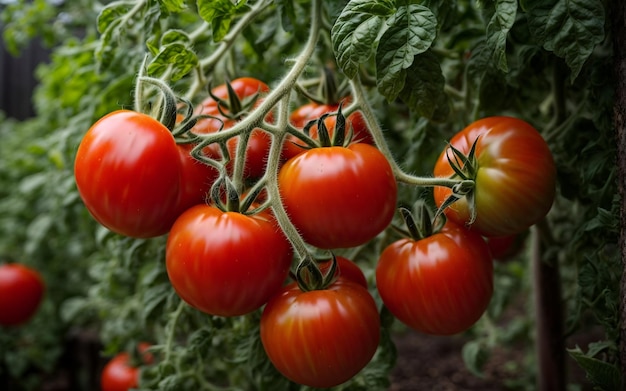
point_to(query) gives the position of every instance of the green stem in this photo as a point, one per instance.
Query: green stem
(381, 143)
(283, 89)
(169, 342)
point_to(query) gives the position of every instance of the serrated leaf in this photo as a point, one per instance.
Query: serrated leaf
(569, 28)
(411, 31)
(355, 32)
(174, 5)
(602, 374)
(498, 28)
(219, 13)
(110, 13)
(177, 55)
(424, 86)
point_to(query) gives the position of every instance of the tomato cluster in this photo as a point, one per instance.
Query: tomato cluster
(227, 253)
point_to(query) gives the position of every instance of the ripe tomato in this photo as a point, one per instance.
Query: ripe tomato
(311, 111)
(257, 150)
(127, 171)
(321, 338)
(119, 375)
(226, 263)
(515, 182)
(438, 285)
(196, 179)
(339, 197)
(346, 269)
(21, 292)
(504, 248)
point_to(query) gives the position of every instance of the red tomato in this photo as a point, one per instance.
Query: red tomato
(439, 285)
(321, 338)
(504, 248)
(196, 179)
(311, 111)
(515, 179)
(346, 269)
(21, 292)
(339, 197)
(226, 263)
(257, 150)
(127, 171)
(119, 375)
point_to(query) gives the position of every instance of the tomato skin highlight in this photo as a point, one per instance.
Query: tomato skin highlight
(21, 292)
(516, 179)
(339, 197)
(226, 263)
(311, 111)
(127, 172)
(439, 285)
(321, 338)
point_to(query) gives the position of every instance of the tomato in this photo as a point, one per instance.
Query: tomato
(515, 182)
(127, 171)
(311, 111)
(196, 179)
(504, 248)
(21, 292)
(439, 285)
(226, 263)
(339, 197)
(346, 269)
(257, 150)
(321, 338)
(119, 375)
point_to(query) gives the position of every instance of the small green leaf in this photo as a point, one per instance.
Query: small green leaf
(111, 13)
(355, 32)
(175, 35)
(219, 13)
(412, 29)
(475, 356)
(177, 55)
(569, 28)
(603, 375)
(498, 28)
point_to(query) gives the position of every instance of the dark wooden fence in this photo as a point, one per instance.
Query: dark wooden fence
(17, 79)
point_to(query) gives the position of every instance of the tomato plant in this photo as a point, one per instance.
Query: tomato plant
(339, 197)
(440, 284)
(321, 338)
(127, 171)
(514, 173)
(21, 291)
(226, 263)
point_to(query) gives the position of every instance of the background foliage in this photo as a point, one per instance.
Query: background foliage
(430, 67)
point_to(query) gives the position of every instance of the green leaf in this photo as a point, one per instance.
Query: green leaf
(111, 13)
(174, 5)
(355, 32)
(500, 23)
(219, 13)
(411, 31)
(602, 374)
(569, 28)
(423, 90)
(177, 55)
(475, 356)
(175, 35)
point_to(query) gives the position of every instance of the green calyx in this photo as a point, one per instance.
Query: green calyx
(310, 277)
